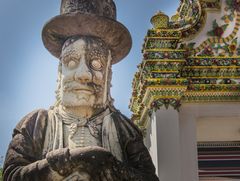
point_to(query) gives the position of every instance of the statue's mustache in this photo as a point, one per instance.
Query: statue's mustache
(71, 86)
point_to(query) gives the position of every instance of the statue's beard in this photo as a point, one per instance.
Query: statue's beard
(74, 94)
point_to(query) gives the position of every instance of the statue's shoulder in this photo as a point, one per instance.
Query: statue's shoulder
(32, 120)
(125, 125)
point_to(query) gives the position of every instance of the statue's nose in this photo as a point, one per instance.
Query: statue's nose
(83, 73)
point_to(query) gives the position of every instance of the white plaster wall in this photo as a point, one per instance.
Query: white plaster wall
(151, 140)
(218, 129)
(210, 110)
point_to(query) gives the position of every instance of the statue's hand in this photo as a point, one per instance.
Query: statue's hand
(97, 161)
(94, 160)
(59, 161)
(91, 157)
(107, 175)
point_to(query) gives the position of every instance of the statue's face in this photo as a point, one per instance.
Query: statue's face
(84, 67)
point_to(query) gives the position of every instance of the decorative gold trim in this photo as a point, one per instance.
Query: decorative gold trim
(164, 38)
(164, 50)
(164, 60)
(216, 77)
(212, 67)
(213, 57)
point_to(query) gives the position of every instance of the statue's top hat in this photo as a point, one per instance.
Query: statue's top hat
(87, 18)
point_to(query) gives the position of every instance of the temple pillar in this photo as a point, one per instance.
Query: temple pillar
(188, 145)
(169, 162)
(172, 144)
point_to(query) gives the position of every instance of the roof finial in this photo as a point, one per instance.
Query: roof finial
(160, 20)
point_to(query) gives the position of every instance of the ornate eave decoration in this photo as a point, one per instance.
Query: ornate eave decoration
(158, 82)
(175, 70)
(191, 16)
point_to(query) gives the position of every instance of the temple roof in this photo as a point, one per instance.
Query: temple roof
(194, 56)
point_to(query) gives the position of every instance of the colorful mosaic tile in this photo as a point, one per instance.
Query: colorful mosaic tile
(175, 70)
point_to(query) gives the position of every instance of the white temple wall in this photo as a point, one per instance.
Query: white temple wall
(218, 129)
(172, 136)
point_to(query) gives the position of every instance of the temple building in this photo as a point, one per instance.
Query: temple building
(186, 92)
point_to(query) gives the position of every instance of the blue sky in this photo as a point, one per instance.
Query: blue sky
(28, 71)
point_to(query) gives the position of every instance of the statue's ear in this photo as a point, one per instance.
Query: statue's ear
(107, 80)
(59, 78)
(60, 66)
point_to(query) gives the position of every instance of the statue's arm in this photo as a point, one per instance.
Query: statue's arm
(22, 163)
(138, 167)
(24, 156)
(138, 163)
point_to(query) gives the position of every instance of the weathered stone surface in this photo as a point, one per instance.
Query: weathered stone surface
(82, 137)
(84, 18)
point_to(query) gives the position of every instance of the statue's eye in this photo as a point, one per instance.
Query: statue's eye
(69, 62)
(72, 64)
(96, 65)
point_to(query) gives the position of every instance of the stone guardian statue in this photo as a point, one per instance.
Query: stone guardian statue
(82, 137)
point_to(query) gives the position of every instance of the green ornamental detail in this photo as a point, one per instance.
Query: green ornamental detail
(217, 30)
(166, 102)
(212, 98)
(159, 43)
(164, 54)
(213, 61)
(233, 5)
(222, 49)
(209, 87)
(163, 66)
(212, 4)
(211, 72)
(1, 172)
(168, 81)
(164, 33)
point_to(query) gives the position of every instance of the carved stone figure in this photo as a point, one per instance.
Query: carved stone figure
(82, 137)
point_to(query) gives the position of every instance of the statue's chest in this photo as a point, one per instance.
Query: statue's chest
(76, 136)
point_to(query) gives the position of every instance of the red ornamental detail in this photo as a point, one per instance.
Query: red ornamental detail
(145, 55)
(218, 31)
(166, 55)
(208, 51)
(232, 47)
(236, 5)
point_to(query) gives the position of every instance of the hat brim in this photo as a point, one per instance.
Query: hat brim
(61, 27)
